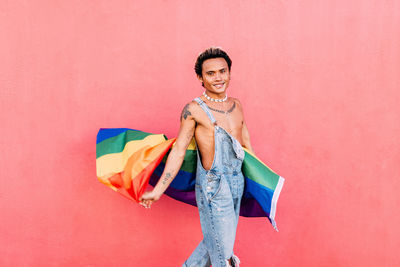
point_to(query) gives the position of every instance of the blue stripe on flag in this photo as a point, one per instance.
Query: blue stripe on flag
(105, 133)
(183, 181)
(262, 194)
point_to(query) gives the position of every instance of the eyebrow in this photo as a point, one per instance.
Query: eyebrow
(214, 70)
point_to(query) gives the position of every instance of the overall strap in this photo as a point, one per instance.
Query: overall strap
(206, 109)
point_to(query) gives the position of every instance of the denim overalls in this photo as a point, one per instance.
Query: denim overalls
(218, 195)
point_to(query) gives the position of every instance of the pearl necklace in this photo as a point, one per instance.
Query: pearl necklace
(215, 100)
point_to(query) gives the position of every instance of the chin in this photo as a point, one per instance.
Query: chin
(222, 90)
(219, 91)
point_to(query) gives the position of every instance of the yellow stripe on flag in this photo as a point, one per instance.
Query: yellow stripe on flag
(115, 162)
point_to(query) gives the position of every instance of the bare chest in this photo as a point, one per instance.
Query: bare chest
(230, 119)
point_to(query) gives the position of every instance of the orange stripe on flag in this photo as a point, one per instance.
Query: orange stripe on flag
(146, 160)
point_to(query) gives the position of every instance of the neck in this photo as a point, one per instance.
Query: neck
(215, 95)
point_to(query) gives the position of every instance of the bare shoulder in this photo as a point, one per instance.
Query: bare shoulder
(237, 102)
(190, 110)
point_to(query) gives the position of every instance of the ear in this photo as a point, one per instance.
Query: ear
(200, 78)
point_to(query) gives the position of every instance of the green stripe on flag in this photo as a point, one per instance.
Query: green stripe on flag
(189, 162)
(253, 169)
(117, 143)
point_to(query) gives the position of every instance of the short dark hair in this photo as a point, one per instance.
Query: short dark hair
(212, 52)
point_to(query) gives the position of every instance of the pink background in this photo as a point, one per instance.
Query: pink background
(319, 81)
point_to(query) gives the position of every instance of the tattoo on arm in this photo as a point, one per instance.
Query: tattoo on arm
(166, 177)
(185, 112)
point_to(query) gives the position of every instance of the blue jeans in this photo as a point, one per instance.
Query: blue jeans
(219, 213)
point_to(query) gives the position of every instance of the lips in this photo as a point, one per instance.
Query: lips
(218, 85)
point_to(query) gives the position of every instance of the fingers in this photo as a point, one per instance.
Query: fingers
(147, 199)
(146, 203)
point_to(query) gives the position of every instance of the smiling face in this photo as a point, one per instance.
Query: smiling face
(216, 76)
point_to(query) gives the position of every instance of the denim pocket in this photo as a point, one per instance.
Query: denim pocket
(213, 185)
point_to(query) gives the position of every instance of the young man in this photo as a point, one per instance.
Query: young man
(217, 123)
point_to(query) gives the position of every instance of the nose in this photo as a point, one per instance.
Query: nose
(218, 76)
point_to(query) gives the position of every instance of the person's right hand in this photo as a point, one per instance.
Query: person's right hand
(148, 198)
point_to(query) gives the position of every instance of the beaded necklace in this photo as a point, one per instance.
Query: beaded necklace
(215, 100)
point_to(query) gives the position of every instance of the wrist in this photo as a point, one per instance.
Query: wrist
(157, 193)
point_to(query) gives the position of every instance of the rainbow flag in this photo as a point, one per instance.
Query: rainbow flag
(127, 160)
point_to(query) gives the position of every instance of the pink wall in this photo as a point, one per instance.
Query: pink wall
(319, 81)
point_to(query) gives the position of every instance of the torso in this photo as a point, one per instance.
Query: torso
(231, 121)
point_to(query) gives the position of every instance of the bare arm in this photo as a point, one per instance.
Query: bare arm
(175, 157)
(246, 138)
(245, 132)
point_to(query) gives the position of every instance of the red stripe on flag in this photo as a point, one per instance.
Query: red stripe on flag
(134, 187)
